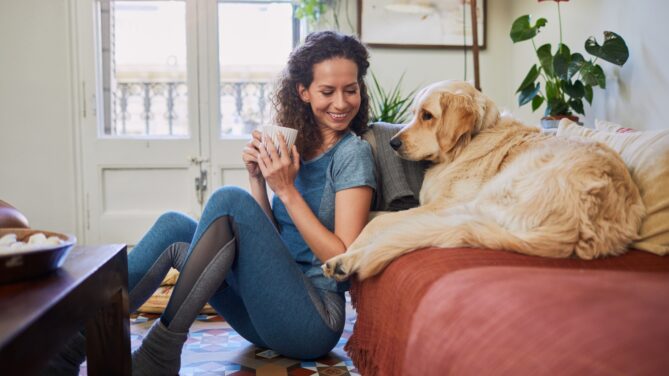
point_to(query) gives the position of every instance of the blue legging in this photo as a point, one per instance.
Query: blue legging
(265, 297)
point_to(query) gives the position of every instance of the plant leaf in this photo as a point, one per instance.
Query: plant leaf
(556, 107)
(528, 94)
(614, 50)
(593, 75)
(561, 62)
(545, 58)
(536, 102)
(601, 77)
(588, 93)
(529, 78)
(575, 64)
(551, 91)
(563, 49)
(575, 90)
(577, 105)
(388, 106)
(521, 29)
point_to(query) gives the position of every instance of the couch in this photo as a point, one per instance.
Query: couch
(475, 311)
(468, 311)
(10, 217)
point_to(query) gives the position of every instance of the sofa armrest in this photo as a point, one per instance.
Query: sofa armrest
(11, 217)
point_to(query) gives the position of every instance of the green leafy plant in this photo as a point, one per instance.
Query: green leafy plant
(388, 106)
(313, 10)
(568, 77)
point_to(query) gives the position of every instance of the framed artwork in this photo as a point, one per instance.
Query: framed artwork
(419, 23)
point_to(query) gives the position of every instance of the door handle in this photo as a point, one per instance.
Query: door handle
(201, 184)
(197, 160)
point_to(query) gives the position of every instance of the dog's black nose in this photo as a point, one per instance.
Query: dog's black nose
(395, 143)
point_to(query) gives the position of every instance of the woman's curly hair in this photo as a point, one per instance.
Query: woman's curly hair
(291, 111)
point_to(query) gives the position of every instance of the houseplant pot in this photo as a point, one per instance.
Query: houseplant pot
(552, 122)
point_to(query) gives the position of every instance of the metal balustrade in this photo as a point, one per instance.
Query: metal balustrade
(147, 108)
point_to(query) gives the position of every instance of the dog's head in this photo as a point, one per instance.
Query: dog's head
(446, 115)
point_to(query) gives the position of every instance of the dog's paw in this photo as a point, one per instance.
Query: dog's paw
(336, 268)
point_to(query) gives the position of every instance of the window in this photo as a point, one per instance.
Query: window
(255, 39)
(145, 64)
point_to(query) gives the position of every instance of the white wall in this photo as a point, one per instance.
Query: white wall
(424, 66)
(636, 93)
(37, 135)
(37, 172)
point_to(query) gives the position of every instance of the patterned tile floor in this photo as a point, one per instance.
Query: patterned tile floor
(214, 348)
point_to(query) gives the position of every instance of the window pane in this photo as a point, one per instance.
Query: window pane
(144, 68)
(255, 39)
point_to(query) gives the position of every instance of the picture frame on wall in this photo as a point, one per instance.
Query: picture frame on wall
(419, 23)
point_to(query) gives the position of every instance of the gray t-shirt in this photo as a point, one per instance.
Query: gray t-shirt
(347, 164)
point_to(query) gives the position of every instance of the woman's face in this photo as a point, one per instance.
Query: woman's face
(334, 94)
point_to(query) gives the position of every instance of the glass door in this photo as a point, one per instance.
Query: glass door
(253, 41)
(171, 90)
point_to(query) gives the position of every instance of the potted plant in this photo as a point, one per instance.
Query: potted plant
(388, 106)
(568, 77)
(312, 11)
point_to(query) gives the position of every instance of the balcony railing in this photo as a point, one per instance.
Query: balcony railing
(161, 108)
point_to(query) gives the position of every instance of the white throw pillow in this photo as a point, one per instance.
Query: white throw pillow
(646, 155)
(608, 126)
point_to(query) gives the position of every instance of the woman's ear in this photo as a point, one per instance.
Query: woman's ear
(304, 93)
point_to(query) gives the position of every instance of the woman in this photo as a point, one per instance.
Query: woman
(259, 265)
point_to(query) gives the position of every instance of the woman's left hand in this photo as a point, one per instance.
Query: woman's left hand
(279, 171)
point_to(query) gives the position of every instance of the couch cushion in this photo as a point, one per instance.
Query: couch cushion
(646, 155)
(529, 321)
(398, 180)
(387, 302)
(609, 126)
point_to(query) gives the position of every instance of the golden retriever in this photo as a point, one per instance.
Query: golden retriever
(495, 183)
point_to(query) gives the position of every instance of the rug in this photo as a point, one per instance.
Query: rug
(214, 348)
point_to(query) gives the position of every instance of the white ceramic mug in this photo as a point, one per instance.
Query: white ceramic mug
(272, 132)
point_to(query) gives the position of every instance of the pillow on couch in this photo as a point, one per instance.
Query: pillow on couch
(646, 155)
(608, 126)
(398, 180)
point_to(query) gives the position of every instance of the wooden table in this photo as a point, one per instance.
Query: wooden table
(37, 316)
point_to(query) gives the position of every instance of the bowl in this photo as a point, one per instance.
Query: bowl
(25, 264)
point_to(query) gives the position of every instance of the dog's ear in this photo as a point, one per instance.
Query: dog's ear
(488, 112)
(459, 119)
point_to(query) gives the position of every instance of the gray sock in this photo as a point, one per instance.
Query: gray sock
(160, 352)
(68, 361)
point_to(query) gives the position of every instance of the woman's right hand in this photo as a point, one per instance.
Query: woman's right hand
(250, 155)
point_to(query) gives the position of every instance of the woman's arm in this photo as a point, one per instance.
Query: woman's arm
(351, 205)
(256, 180)
(259, 193)
(351, 211)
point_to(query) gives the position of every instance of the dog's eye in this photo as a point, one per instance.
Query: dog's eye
(426, 116)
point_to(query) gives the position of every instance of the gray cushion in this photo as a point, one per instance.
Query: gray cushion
(398, 180)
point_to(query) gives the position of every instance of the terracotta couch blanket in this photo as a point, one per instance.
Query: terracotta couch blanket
(534, 321)
(386, 304)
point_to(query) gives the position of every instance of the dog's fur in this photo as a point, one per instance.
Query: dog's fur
(498, 184)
